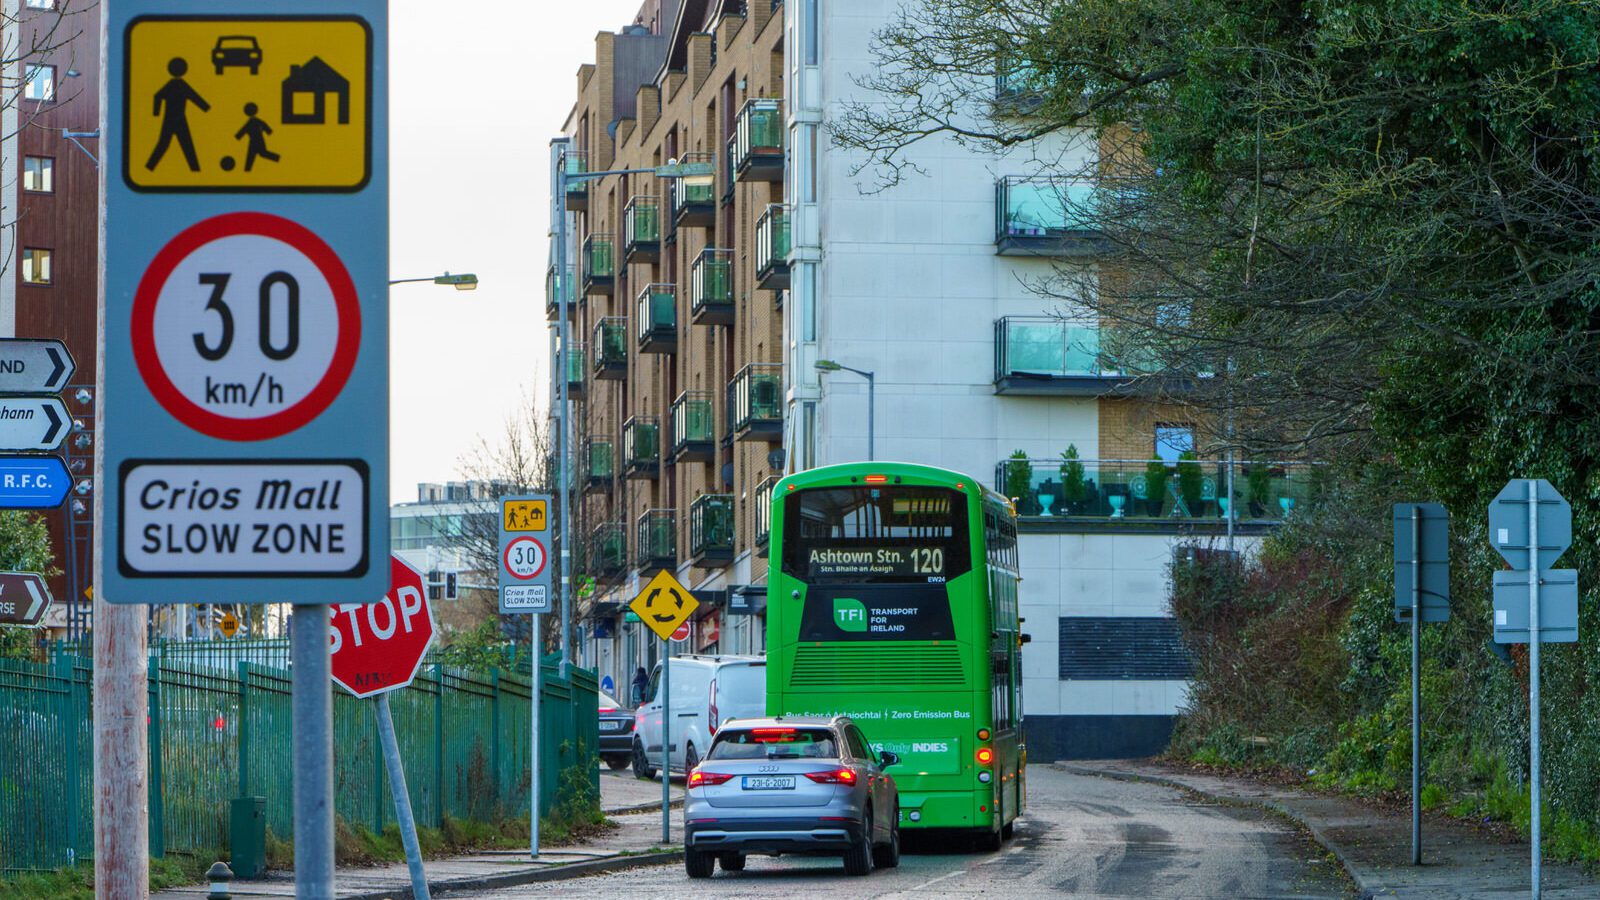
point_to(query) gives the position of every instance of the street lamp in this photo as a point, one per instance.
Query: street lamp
(828, 365)
(467, 282)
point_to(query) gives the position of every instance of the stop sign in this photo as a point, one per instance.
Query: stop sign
(379, 646)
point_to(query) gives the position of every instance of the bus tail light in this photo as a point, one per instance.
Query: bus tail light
(876, 479)
(698, 778)
(985, 756)
(983, 733)
(834, 776)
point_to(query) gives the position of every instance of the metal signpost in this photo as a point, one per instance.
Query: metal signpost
(1421, 594)
(378, 648)
(1530, 524)
(664, 606)
(23, 598)
(524, 587)
(244, 393)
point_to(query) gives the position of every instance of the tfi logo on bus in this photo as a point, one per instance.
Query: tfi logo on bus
(849, 615)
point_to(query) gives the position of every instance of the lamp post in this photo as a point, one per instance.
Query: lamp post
(828, 365)
(466, 282)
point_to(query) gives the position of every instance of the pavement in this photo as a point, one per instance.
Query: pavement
(1374, 844)
(633, 804)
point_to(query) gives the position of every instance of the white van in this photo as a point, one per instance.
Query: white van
(706, 691)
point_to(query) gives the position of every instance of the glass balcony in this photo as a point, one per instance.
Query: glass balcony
(693, 430)
(552, 289)
(694, 199)
(1160, 494)
(641, 229)
(656, 545)
(577, 368)
(772, 248)
(599, 463)
(1046, 217)
(577, 190)
(1018, 88)
(763, 514)
(711, 287)
(641, 446)
(711, 529)
(1041, 355)
(758, 141)
(599, 264)
(607, 553)
(757, 403)
(656, 317)
(610, 347)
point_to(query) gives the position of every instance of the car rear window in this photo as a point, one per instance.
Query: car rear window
(774, 743)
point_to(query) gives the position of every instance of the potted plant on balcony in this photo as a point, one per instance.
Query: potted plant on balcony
(1019, 483)
(1191, 483)
(1073, 489)
(1155, 486)
(1258, 483)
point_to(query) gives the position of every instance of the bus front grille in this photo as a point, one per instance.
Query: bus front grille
(876, 665)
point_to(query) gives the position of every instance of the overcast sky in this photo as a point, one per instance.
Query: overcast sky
(476, 95)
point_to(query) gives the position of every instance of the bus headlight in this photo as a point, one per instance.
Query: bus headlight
(983, 777)
(916, 815)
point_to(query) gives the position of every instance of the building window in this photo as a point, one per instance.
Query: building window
(41, 4)
(1121, 648)
(41, 84)
(39, 174)
(35, 266)
(1172, 440)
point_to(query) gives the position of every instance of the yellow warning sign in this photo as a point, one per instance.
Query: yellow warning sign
(247, 103)
(229, 624)
(522, 515)
(664, 604)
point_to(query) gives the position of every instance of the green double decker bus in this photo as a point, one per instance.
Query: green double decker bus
(892, 599)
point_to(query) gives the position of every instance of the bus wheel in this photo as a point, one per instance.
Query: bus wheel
(988, 841)
(1008, 830)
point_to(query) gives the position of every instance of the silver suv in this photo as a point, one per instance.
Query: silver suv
(791, 785)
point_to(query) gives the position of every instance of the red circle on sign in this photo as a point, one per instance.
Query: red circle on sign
(505, 559)
(681, 633)
(143, 332)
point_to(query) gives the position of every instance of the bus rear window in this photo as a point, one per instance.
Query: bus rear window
(876, 535)
(774, 743)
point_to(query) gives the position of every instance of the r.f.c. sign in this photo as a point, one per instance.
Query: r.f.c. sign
(379, 646)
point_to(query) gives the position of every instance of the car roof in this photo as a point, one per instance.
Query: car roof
(720, 659)
(780, 721)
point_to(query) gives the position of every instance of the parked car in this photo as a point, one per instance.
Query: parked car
(795, 785)
(616, 732)
(706, 690)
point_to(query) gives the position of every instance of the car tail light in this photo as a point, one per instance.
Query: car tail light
(698, 778)
(836, 776)
(985, 756)
(712, 712)
(608, 709)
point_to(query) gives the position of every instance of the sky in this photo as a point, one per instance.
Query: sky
(469, 192)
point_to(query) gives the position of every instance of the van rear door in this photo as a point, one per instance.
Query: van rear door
(741, 691)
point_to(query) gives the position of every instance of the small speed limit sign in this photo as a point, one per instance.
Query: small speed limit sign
(524, 558)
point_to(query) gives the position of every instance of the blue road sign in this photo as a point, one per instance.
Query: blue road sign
(1508, 522)
(33, 482)
(245, 390)
(1558, 606)
(1428, 551)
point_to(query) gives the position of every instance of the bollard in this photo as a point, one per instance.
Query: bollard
(219, 875)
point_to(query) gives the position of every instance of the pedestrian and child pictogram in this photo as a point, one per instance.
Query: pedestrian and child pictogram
(283, 105)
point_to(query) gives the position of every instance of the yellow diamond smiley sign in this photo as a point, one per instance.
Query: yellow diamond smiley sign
(247, 103)
(664, 604)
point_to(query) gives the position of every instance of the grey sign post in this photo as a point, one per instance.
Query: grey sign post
(1530, 524)
(524, 587)
(1421, 594)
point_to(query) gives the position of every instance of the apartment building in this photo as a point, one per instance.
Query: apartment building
(692, 295)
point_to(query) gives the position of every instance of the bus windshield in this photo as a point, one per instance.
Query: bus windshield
(888, 534)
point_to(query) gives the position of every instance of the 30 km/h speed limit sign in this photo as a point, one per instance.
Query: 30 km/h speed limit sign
(524, 558)
(524, 555)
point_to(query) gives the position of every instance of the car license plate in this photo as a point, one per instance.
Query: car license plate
(769, 782)
(610, 726)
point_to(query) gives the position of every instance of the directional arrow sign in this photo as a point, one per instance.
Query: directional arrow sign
(23, 598)
(33, 482)
(34, 367)
(33, 423)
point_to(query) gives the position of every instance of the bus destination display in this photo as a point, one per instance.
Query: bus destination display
(896, 561)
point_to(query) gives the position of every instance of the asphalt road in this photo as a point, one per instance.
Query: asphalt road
(1082, 837)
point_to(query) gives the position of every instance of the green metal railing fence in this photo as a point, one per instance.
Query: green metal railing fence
(220, 729)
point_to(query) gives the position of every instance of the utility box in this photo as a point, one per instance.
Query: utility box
(248, 837)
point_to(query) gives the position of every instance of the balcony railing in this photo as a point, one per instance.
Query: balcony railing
(1045, 356)
(577, 369)
(758, 141)
(607, 552)
(694, 200)
(657, 316)
(711, 530)
(772, 248)
(711, 287)
(577, 190)
(1046, 217)
(599, 461)
(1017, 87)
(599, 264)
(763, 514)
(610, 347)
(656, 544)
(757, 407)
(1152, 491)
(693, 432)
(552, 290)
(641, 447)
(641, 229)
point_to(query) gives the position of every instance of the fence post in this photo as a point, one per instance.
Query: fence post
(438, 740)
(377, 782)
(244, 728)
(71, 721)
(158, 830)
(494, 741)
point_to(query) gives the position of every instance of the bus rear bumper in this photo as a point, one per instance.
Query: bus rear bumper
(941, 809)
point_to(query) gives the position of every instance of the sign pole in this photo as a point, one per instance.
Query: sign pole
(402, 800)
(312, 727)
(1416, 686)
(533, 739)
(563, 403)
(666, 741)
(1533, 677)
